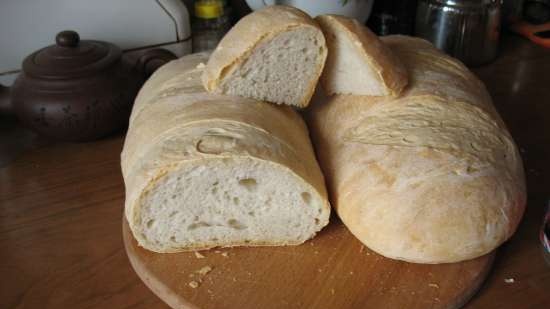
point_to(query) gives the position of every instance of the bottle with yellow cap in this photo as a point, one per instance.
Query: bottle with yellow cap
(210, 24)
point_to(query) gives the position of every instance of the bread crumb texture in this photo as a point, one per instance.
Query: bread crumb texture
(194, 284)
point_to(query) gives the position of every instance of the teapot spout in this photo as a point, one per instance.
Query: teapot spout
(6, 106)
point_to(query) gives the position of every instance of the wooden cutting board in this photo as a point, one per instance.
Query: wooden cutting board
(333, 270)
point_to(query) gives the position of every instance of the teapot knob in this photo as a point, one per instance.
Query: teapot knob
(67, 38)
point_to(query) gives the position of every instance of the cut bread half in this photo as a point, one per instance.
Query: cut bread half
(358, 62)
(228, 202)
(275, 54)
(204, 170)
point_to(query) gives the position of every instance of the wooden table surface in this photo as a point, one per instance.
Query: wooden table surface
(61, 207)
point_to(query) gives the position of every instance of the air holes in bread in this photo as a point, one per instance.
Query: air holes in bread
(249, 183)
(236, 224)
(306, 197)
(199, 224)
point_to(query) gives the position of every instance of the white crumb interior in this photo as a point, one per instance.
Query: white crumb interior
(280, 70)
(348, 70)
(227, 202)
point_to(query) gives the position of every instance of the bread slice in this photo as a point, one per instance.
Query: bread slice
(275, 54)
(205, 170)
(358, 62)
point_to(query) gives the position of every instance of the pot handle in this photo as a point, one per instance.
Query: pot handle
(6, 106)
(152, 59)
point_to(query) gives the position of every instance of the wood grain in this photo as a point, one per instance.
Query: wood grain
(333, 270)
(61, 210)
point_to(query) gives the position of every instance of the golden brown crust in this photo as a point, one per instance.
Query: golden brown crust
(432, 176)
(376, 54)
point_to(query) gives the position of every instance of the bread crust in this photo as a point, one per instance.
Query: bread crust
(432, 176)
(379, 57)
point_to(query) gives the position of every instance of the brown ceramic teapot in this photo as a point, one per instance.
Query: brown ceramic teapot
(78, 90)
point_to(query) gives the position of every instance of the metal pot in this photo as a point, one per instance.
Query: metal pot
(78, 90)
(466, 29)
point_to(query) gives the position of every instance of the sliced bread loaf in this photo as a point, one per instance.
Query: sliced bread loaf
(276, 54)
(358, 62)
(205, 170)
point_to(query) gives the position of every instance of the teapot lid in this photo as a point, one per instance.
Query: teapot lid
(70, 57)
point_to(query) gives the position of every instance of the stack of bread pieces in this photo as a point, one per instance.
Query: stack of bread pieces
(417, 162)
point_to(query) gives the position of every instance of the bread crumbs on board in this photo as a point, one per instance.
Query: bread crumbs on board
(205, 270)
(194, 284)
(198, 255)
(201, 272)
(433, 285)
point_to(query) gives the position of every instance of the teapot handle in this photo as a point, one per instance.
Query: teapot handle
(152, 59)
(6, 106)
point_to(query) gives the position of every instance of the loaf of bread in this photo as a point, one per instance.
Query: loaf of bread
(358, 62)
(205, 170)
(432, 176)
(275, 54)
